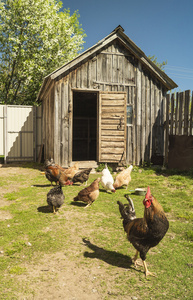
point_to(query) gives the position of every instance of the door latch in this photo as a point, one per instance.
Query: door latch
(120, 126)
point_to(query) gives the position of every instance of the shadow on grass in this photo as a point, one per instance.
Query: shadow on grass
(42, 185)
(110, 257)
(45, 209)
(105, 191)
(79, 204)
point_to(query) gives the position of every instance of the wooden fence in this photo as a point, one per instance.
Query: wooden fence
(179, 117)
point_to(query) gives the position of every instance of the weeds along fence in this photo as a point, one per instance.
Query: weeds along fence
(179, 117)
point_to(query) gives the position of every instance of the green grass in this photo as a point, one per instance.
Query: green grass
(93, 238)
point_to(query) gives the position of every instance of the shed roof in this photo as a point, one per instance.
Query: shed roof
(116, 34)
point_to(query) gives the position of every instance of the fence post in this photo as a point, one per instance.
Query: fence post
(167, 129)
(186, 111)
(177, 114)
(181, 113)
(172, 115)
(191, 117)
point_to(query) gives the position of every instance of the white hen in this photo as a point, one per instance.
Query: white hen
(107, 180)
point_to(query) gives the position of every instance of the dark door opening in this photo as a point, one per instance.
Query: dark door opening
(84, 126)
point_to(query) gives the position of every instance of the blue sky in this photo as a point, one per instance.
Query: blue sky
(163, 28)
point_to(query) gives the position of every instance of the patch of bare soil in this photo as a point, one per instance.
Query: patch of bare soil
(4, 215)
(58, 278)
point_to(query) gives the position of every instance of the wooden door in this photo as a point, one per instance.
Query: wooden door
(112, 127)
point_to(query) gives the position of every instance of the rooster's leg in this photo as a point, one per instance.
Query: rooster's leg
(146, 270)
(88, 205)
(135, 261)
(54, 209)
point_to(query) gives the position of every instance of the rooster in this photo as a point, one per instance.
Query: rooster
(89, 194)
(49, 162)
(144, 233)
(55, 173)
(123, 178)
(55, 198)
(107, 180)
(82, 176)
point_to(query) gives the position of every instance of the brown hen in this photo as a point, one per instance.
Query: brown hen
(123, 178)
(89, 194)
(71, 171)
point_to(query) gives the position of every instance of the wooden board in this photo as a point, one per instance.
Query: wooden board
(180, 152)
(112, 127)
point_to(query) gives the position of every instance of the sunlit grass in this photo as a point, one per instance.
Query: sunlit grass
(34, 231)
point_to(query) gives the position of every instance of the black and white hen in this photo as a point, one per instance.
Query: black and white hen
(55, 198)
(82, 176)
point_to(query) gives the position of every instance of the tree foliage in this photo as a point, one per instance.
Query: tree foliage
(159, 65)
(36, 37)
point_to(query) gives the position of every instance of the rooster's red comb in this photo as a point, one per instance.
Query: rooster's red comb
(148, 193)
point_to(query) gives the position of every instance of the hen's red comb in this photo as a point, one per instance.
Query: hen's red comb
(148, 193)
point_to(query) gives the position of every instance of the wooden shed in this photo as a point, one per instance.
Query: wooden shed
(106, 105)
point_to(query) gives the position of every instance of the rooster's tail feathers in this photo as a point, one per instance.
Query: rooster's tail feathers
(122, 210)
(127, 211)
(132, 209)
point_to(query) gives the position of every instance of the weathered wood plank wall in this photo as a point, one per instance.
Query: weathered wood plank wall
(113, 69)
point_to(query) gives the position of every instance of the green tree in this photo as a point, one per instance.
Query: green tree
(159, 65)
(36, 37)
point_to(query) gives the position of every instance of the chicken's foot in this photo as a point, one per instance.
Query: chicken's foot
(136, 261)
(54, 209)
(146, 270)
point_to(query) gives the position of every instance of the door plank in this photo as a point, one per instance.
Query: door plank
(112, 127)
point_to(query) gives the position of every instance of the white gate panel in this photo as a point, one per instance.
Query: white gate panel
(19, 133)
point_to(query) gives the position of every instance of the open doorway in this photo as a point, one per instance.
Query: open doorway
(84, 126)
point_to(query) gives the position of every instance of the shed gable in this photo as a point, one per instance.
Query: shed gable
(117, 35)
